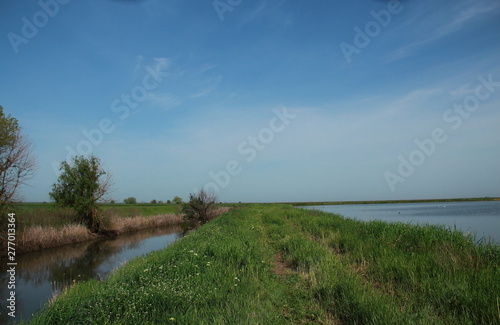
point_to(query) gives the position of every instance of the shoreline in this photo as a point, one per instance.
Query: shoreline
(392, 201)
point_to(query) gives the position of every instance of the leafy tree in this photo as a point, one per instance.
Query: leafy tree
(177, 200)
(17, 163)
(201, 207)
(154, 202)
(130, 200)
(169, 202)
(80, 187)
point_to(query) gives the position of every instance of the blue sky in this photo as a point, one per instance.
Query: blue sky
(260, 100)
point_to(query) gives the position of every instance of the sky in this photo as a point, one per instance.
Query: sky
(259, 101)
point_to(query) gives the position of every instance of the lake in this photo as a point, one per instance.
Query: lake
(42, 274)
(481, 218)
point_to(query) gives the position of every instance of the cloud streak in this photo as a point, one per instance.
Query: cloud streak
(434, 28)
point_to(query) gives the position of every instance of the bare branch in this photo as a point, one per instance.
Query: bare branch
(17, 166)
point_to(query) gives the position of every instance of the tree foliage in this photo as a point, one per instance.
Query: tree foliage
(130, 200)
(201, 207)
(17, 163)
(177, 200)
(81, 186)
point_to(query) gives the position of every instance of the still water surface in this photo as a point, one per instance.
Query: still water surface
(41, 274)
(480, 218)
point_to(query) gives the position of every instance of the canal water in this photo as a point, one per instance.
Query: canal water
(42, 274)
(481, 218)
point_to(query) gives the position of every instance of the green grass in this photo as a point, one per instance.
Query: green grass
(46, 214)
(275, 264)
(132, 210)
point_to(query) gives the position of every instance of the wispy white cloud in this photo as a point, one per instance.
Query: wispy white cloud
(203, 92)
(419, 95)
(462, 90)
(270, 11)
(254, 14)
(438, 25)
(163, 63)
(207, 67)
(164, 100)
(212, 84)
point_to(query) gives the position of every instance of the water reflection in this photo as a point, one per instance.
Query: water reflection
(41, 274)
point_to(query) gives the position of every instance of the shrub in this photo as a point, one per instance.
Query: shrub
(201, 207)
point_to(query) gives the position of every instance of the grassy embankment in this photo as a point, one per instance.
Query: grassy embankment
(275, 264)
(42, 225)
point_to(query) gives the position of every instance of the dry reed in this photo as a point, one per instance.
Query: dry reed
(38, 237)
(121, 225)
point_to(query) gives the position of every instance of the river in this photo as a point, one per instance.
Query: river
(42, 274)
(481, 218)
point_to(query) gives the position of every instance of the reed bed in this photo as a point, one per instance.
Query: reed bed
(63, 230)
(122, 225)
(37, 237)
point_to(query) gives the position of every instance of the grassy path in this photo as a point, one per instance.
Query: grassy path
(275, 264)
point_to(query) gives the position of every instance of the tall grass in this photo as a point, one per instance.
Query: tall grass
(121, 225)
(38, 237)
(275, 264)
(429, 274)
(45, 214)
(42, 225)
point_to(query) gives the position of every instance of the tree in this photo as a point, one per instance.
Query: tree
(201, 207)
(154, 202)
(17, 163)
(177, 200)
(130, 200)
(81, 187)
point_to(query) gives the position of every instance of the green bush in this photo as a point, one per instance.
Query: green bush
(201, 207)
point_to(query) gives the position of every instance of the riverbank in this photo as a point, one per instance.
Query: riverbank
(44, 226)
(275, 264)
